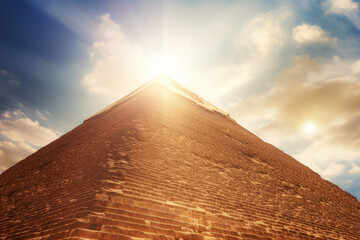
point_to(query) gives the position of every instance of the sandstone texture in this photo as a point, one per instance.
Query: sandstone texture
(159, 165)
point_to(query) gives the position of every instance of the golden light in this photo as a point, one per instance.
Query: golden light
(165, 64)
(309, 128)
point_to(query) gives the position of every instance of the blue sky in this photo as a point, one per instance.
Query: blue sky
(289, 71)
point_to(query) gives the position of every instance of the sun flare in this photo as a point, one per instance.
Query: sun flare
(309, 128)
(165, 64)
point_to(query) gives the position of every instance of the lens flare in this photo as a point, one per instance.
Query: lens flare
(165, 64)
(309, 128)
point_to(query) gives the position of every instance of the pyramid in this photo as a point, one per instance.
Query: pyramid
(162, 163)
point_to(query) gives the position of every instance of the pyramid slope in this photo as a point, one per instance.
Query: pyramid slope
(160, 166)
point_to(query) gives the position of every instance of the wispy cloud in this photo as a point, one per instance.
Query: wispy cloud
(42, 115)
(348, 8)
(13, 114)
(7, 79)
(117, 62)
(340, 6)
(262, 37)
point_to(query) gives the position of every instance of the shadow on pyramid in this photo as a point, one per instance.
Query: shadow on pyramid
(162, 163)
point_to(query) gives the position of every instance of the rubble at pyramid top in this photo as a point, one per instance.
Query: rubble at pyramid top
(173, 86)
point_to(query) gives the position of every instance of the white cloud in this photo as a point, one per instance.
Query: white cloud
(11, 153)
(356, 67)
(117, 62)
(24, 137)
(333, 169)
(266, 32)
(355, 169)
(306, 33)
(327, 159)
(340, 6)
(18, 128)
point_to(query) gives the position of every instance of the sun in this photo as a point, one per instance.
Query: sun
(165, 64)
(309, 128)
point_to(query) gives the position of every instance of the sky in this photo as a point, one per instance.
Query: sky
(288, 71)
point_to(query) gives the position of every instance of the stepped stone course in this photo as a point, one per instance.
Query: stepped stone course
(159, 165)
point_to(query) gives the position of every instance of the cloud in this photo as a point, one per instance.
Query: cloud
(301, 93)
(356, 67)
(347, 133)
(266, 32)
(323, 92)
(355, 169)
(42, 115)
(348, 8)
(16, 127)
(11, 153)
(117, 63)
(14, 114)
(322, 156)
(333, 169)
(260, 39)
(340, 6)
(7, 80)
(305, 33)
(20, 136)
(23, 135)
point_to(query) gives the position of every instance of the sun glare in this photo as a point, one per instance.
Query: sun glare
(165, 64)
(309, 128)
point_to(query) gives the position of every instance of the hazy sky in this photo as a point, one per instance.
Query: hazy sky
(289, 71)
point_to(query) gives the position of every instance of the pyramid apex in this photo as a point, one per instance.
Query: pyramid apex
(165, 81)
(173, 86)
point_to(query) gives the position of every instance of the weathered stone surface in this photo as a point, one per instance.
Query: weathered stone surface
(157, 165)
